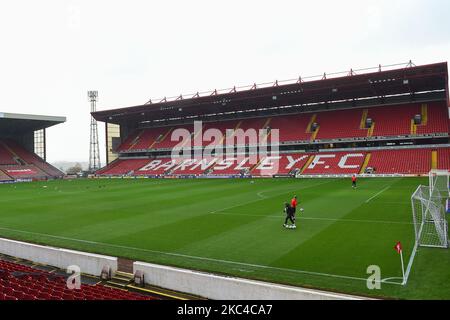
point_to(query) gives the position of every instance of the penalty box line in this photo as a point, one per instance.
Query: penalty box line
(180, 255)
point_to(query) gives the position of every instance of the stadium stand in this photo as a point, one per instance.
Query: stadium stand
(195, 166)
(397, 120)
(6, 157)
(378, 112)
(435, 118)
(389, 161)
(20, 282)
(25, 171)
(223, 126)
(282, 165)
(166, 141)
(4, 176)
(443, 158)
(28, 158)
(340, 124)
(335, 163)
(293, 127)
(130, 141)
(332, 125)
(123, 166)
(392, 121)
(148, 137)
(23, 146)
(157, 166)
(234, 166)
(256, 123)
(248, 125)
(17, 162)
(152, 138)
(406, 161)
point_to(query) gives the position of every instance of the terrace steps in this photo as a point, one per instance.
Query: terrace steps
(135, 140)
(434, 159)
(267, 122)
(256, 165)
(162, 139)
(371, 129)
(15, 156)
(413, 127)
(121, 279)
(310, 123)
(365, 163)
(267, 133)
(195, 135)
(315, 133)
(306, 165)
(424, 111)
(308, 128)
(4, 176)
(362, 125)
(234, 130)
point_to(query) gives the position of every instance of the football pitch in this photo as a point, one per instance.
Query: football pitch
(235, 227)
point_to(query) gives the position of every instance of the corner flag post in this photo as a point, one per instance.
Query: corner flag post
(398, 248)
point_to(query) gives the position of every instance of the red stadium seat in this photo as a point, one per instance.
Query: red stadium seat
(45, 286)
(404, 161)
(333, 125)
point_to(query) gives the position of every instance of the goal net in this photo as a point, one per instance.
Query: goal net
(439, 182)
(430, 223)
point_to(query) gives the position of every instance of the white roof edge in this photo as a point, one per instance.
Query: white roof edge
(20, 116)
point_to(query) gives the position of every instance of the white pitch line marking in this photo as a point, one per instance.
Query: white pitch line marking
(199, 258)
(281, 216)
(377, 194)
(410, 262)
(392, 278)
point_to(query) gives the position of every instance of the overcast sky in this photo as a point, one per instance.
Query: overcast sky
(52, 52)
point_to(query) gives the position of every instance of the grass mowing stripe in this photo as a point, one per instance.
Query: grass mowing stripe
(199, 258)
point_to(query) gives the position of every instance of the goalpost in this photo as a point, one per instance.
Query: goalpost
(429, 211)
(439, 182)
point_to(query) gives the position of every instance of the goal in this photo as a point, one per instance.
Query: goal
(430, 223)
(439, 183)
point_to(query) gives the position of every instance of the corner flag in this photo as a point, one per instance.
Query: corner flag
(398, 248)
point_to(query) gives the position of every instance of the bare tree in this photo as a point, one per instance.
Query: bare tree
(75, 169)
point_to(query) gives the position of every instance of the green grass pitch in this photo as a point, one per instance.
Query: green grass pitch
(234, 227)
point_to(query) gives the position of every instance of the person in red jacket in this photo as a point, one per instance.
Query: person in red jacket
(294, 203)
(354, 181)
